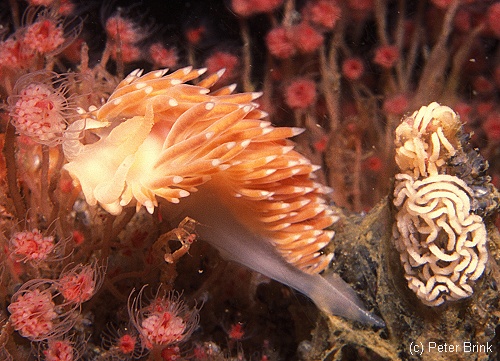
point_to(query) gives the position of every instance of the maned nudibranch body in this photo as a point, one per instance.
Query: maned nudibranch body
(213, 158)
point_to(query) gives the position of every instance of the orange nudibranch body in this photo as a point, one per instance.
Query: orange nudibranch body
(210, 156)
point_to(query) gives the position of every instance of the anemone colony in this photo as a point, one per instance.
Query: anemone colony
(271, 138)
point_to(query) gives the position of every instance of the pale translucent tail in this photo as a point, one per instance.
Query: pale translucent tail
(238, 243)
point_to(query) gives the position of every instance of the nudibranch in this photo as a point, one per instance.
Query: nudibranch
(210, 156)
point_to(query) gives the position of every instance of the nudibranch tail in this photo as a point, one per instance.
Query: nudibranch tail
(333, 296)
(221, 225)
